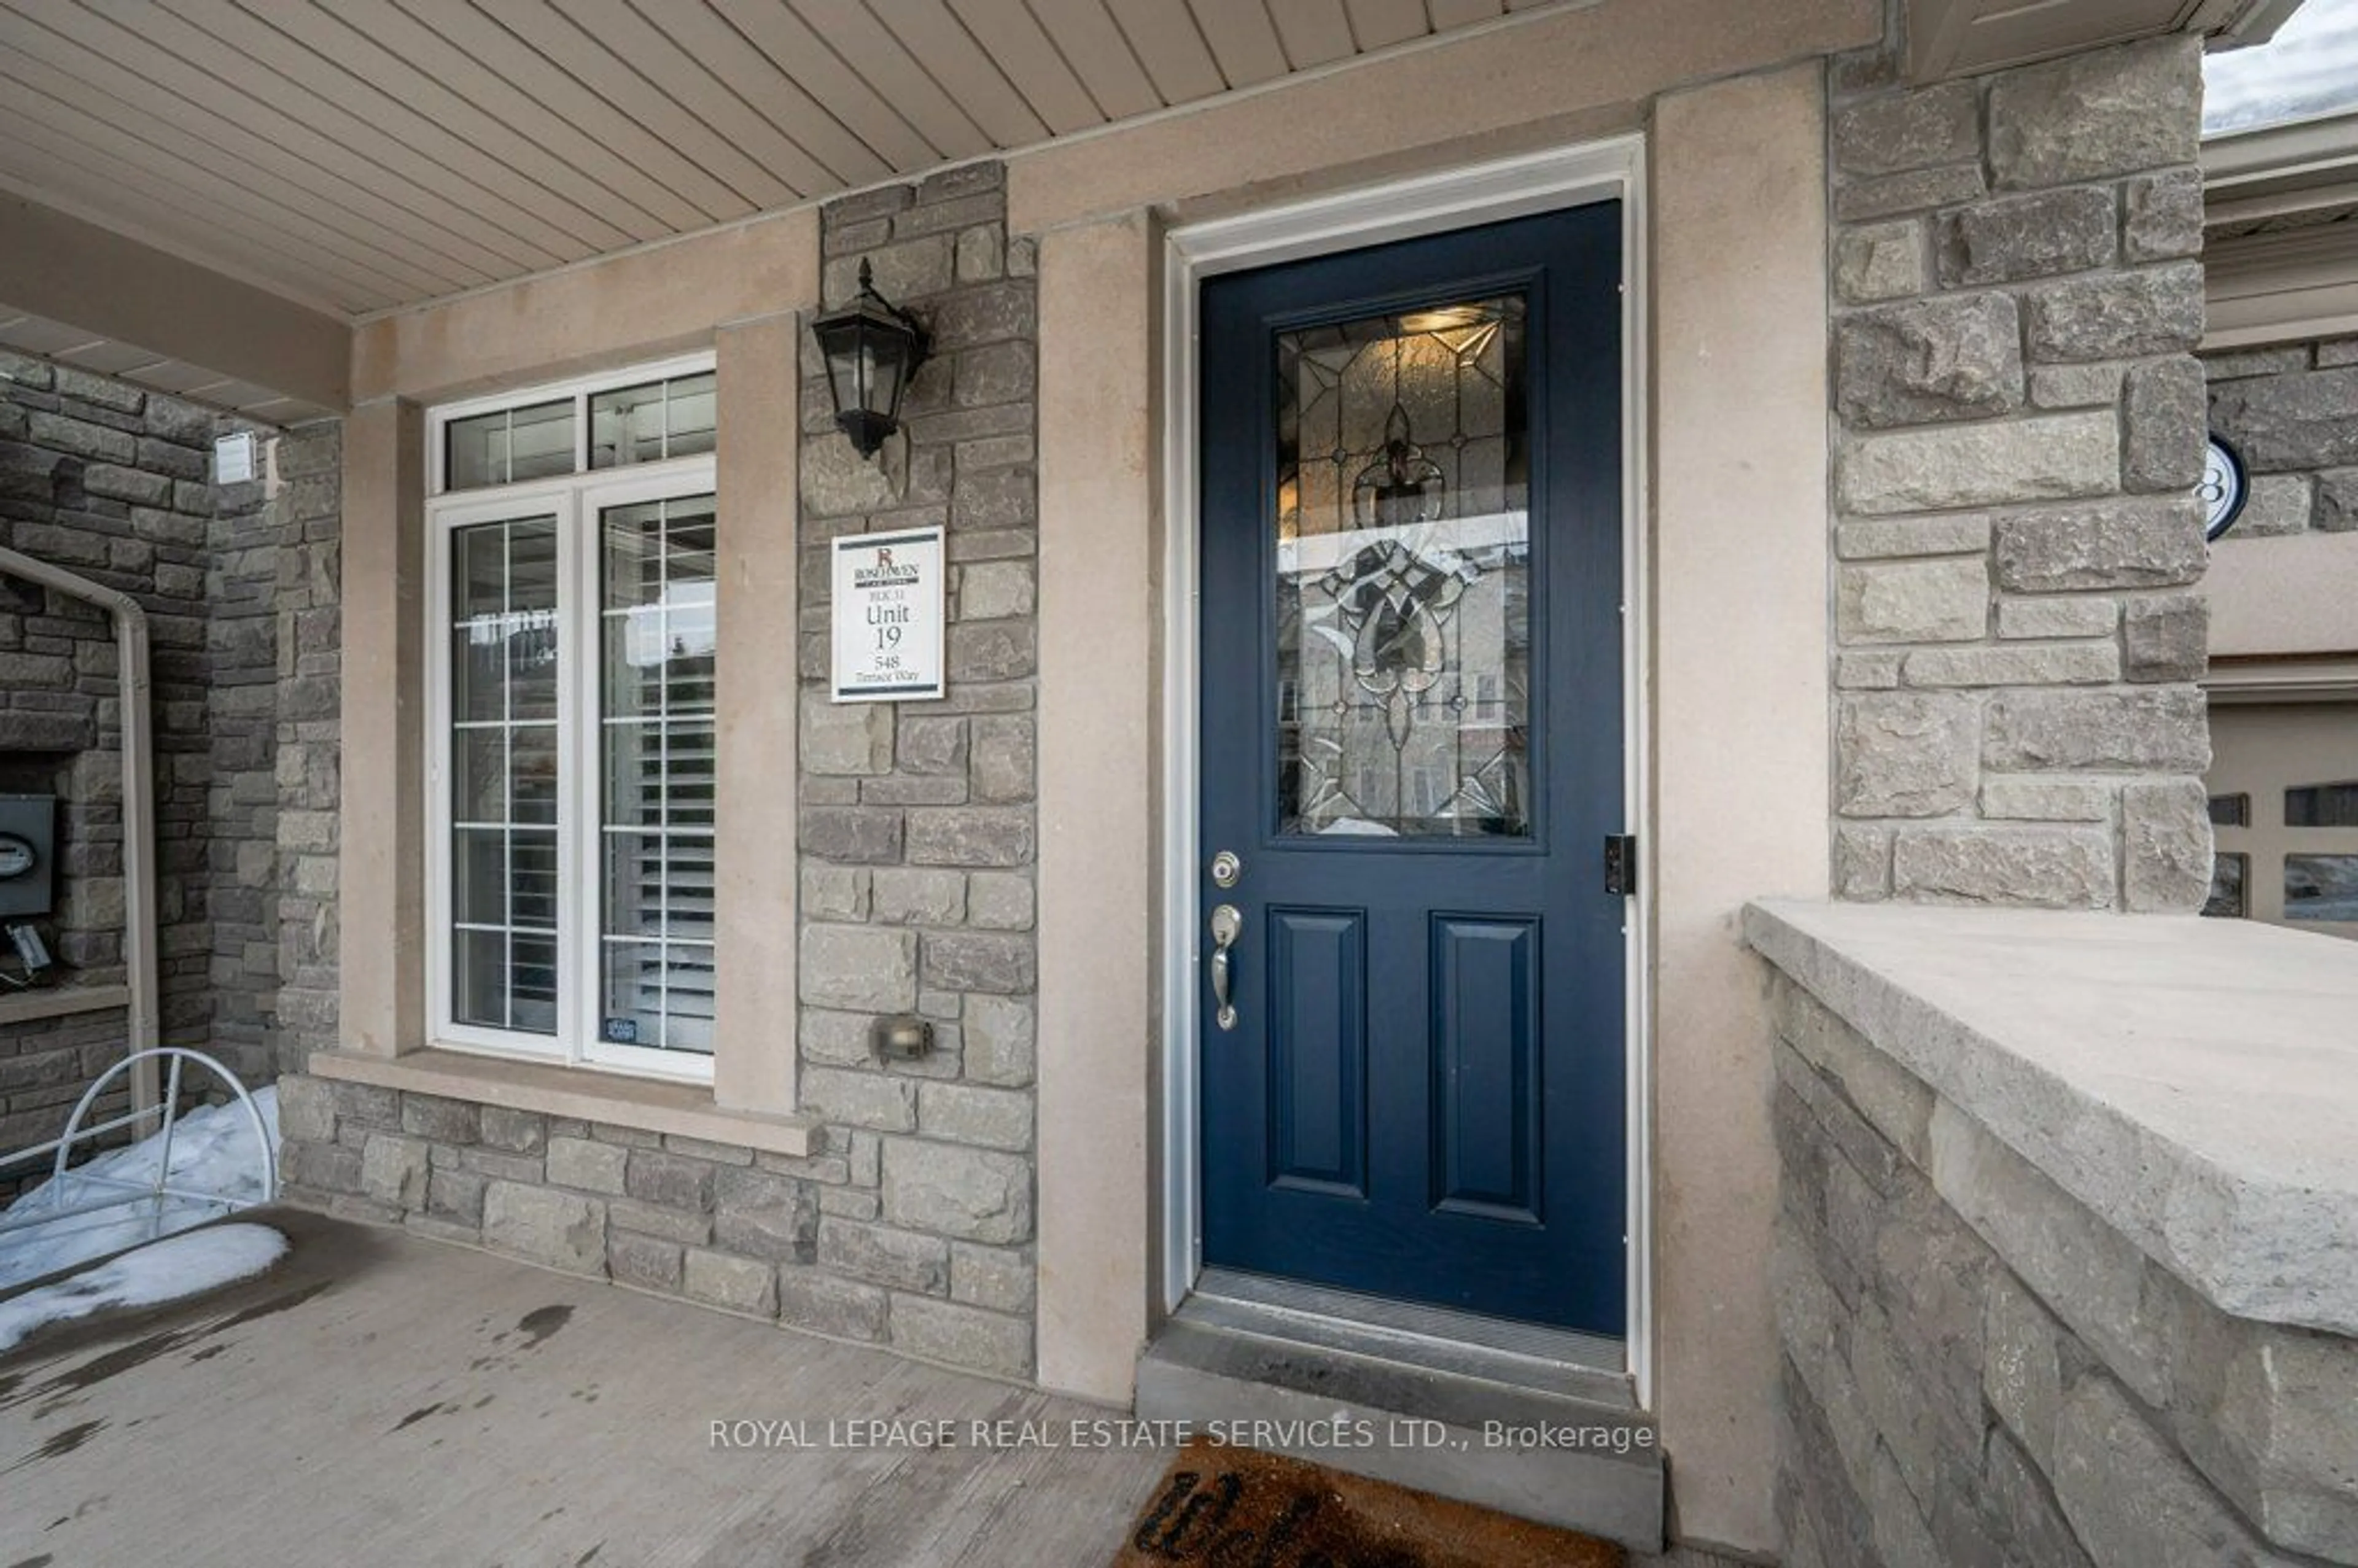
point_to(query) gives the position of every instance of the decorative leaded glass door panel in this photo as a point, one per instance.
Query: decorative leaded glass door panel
(1411, 717)
(1403, 551)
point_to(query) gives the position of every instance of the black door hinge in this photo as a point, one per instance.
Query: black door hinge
(1621, 863)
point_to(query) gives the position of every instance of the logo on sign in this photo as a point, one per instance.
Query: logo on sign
(885, 573)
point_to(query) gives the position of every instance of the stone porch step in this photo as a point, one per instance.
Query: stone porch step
(1219, 1360)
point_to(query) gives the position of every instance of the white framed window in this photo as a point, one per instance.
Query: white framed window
(2284, 813)
(573, 671)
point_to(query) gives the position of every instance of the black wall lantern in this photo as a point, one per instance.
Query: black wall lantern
(872, 348)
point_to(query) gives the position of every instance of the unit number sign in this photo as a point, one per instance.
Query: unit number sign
(888, 614)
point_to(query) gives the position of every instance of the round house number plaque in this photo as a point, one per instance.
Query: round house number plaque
(2224, 487)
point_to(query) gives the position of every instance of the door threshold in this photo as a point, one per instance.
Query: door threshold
(1411, 1331)
(1404, 1341)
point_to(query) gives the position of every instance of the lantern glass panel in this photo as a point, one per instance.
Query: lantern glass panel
(881, 363)
(845, 344)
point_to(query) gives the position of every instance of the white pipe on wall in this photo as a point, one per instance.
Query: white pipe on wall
(139, 934)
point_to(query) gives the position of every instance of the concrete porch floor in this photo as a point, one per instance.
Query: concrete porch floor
(383, 1398)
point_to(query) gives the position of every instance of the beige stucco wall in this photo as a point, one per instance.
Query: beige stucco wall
(1740, 700)
(382, 869)
(668, 298)
(757, 364)
(61, 267)
(2283, 597)
(1100, 703)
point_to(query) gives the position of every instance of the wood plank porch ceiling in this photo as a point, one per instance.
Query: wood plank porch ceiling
(362, 155)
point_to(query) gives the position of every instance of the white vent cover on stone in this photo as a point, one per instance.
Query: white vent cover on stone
(233, 459)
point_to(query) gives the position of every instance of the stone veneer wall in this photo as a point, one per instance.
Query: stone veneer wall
(2292, 411)
(1979, 1370)
(238, 844)
(306, 756)
(911, 1223)
(2019, 423)
(112, 481)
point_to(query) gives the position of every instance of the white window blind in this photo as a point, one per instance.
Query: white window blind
(656, 822)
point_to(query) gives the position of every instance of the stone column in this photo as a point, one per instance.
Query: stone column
(309, 756)
(918, 838)
(2019, 424)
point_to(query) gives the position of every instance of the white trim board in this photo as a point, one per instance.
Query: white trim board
(1483, 193)
(2293, 679)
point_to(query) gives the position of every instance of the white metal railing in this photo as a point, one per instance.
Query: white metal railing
(116, 1191)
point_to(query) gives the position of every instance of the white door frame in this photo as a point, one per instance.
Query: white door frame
(1483, 193)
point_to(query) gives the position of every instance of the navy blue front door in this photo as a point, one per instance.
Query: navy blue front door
(1412, 748)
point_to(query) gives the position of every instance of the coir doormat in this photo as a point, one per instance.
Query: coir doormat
(1237, 1507)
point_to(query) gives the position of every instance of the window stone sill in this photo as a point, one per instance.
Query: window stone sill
(686, 1110)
